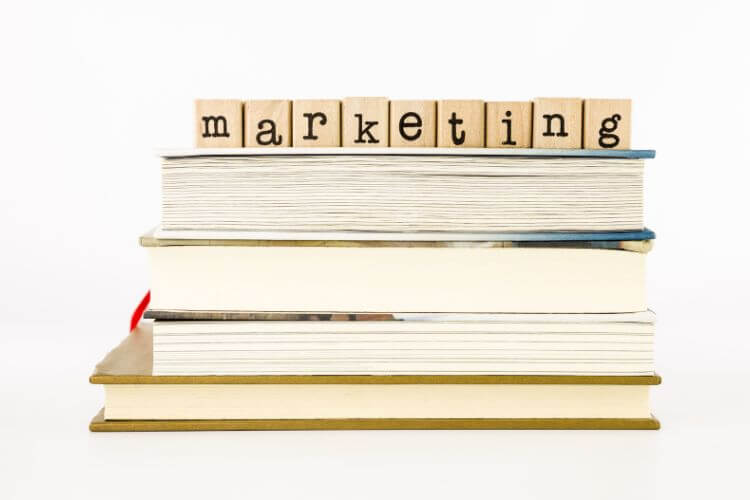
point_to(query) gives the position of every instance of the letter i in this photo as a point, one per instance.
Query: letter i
(507, 122)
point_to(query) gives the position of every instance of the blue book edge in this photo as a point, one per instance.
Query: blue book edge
(645, 234)
(603, 237)
(396, 151)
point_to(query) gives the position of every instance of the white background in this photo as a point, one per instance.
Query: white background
(89, 90)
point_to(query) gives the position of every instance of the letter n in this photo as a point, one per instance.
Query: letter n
(561, 121)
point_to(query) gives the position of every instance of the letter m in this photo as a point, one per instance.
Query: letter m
(219, 126)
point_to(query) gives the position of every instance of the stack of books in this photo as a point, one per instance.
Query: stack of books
(391, 289)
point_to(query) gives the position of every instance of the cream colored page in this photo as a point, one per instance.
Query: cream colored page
(164, 401)
(523, 280)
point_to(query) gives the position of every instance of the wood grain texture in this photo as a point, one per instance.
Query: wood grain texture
(606, 123)
(558, 123)
(460, 124)
(99, 424)
(413, 124)
(508, 124)
(218, 123)
(316, 123)
(268, 123)
(364, 122)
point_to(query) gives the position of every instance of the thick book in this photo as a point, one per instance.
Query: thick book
(402, 190)
(604, 275)
(135, 399)
(434, 344)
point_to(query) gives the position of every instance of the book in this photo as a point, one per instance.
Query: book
(402, 190)
(135, 399)
(513, 344)
(418, 288)
(298, 275)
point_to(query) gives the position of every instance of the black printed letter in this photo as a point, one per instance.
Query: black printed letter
(403, 124)
(272, 132)
(606, 138)
(362, 131)
(506, 122)
(310, 117)
(216, 121)
(457, 139)
(561, 120)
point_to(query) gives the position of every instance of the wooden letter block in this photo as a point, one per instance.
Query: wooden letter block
(558, 123)
(460, 124)
(268, 124)
(316, 123)
(606, 124)
(509, 124)
(364, 122)
(413, 124)
(218, 123)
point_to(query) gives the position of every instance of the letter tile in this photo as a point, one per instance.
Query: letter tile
(413, 124)
(218, 123)
(460, 124)
(316, 123)
(558, 123)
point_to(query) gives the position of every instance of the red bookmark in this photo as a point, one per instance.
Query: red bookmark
(138, 313)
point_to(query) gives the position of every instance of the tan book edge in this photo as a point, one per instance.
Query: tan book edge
(98, 424)
(379, 379)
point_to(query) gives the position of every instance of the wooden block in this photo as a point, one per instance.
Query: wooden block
(460, 124)
(268, 123)
(558, 123)
(316, 123)
(606, 124)
(413, 124)
(364, 122)
(218, 123)
(508, 124)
